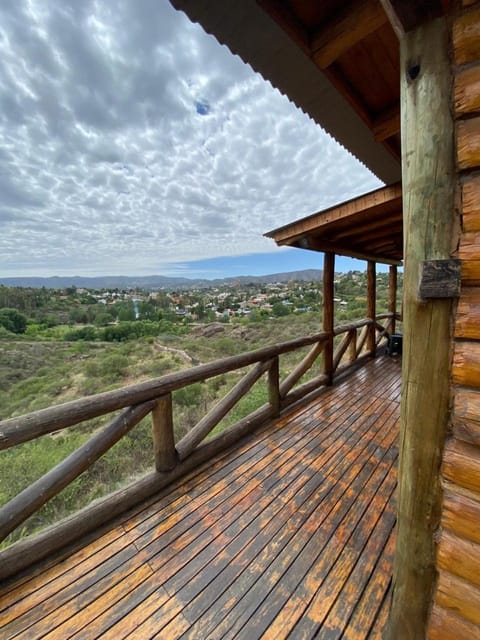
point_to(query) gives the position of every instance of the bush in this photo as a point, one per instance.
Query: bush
(113, 366)
(12, 320)
(85, 333)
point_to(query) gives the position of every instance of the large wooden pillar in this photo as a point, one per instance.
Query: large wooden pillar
(328, 312)
(429, 232)
(371, 305)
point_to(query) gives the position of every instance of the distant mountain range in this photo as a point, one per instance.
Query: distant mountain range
(156, 282)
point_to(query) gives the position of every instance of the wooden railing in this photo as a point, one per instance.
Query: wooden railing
(171, 459)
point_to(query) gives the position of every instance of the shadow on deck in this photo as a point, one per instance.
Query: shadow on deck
(290, 534)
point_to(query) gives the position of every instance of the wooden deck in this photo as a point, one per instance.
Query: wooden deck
(289, 535)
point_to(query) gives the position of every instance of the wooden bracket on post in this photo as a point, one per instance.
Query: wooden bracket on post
(439, 279)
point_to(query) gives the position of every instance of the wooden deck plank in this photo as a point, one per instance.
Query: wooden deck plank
(292, 491)
(322, 546)
(264, 470)
(289, 534)
(288, 615)
(374, 596)
(254, 451)
(254, 581)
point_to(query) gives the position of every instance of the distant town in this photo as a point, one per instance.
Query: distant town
(255, 301)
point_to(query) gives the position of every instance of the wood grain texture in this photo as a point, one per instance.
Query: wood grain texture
(469, 247)
(274, 386)
(468, 143)
(429, 228)
(467, 90)
(466, 37)
(163, 436)
(458, 596)
(471, 204)
(466, 363)
(445, 625)
(461, 515)
(471, 272)
(466, 415)
(246, 542)
(459, 557)
(461, 464)
(467, 321)
(405, 15)
(359, 19)
(439, 279)
(386, 124)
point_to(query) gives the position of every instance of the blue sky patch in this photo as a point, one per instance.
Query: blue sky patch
(202, 107)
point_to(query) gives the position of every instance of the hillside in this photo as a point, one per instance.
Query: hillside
(156, 281)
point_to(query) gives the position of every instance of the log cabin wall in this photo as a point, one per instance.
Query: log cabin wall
(456, 608)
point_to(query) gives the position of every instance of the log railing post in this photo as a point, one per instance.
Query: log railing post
(163, 435)
(371, 306)
(392, 296)
(328, 313)
(352, 347)
(274, 386)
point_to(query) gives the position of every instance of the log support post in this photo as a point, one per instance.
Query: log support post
(163, 436)
(371, 305)
(328, 313)
(392, 296)
(429, 234)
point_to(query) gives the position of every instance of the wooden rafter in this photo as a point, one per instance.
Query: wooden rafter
(344, 30)
(405, 15)
(386, 124)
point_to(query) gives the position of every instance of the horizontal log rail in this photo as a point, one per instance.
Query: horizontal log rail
(23, 428)
(155, 397)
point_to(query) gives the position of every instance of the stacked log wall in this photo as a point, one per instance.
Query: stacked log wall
(456, 608)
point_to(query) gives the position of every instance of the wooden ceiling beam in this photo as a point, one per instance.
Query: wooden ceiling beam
(345, 29)
(405, 15)
(371, 240)
(314, 245)
(368, 225)
(386, 124)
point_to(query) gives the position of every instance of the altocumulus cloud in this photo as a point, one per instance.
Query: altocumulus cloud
(131, 141)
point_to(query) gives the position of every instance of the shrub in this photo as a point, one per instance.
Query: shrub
(12, 320)
(85, 333)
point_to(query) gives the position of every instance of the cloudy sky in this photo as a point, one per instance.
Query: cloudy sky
(133, 143)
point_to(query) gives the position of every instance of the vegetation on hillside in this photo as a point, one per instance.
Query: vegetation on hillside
(73, 345)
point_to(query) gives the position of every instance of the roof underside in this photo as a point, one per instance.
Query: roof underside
(337, 60)
(369, 227)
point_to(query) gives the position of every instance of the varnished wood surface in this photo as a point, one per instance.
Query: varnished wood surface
(289, 535)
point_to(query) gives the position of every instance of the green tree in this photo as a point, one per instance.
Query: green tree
(102, 319)
(279, 309)
(12, 320)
